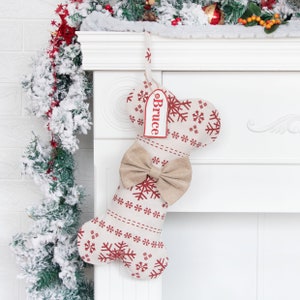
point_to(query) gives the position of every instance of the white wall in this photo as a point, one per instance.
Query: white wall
(24, 30)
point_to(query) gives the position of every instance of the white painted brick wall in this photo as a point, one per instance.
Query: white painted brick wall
(24, 30)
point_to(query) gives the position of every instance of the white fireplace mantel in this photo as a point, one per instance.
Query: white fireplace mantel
(124, 51)
(253, 167)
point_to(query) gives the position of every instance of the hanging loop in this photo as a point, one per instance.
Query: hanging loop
(148, 59)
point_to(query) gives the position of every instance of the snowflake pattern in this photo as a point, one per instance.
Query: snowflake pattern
(143, 96)
(214, 124)
(156, 160)
(136, 248)
(88, 246)
(116, 251)
(145, 189)
(198, 116)
(177, 110)
(139, 208)
(141, 266)
(159, 267)
(148, 55)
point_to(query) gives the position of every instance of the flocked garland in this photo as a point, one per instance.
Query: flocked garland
(57, 91)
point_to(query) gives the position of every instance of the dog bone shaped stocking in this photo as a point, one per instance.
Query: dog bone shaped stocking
(154, 173)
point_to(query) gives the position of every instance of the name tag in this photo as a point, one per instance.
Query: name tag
(156, 115)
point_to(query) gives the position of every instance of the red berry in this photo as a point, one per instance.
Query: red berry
(174, 22)
(53, 144)
(109, 8)
(49, 113)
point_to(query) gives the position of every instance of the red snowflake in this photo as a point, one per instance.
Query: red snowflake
(140, 122)
(147, 211)
(213, 127)
(136, 238)
(160, 244)
(117, 251)
(128, 204)
(177, 111)
(127, 235)
(102, 223)
(143, 96)
(146, 242)
(156, 214)
(89, 246)
(159, 267)
(120, 200)
(193, 142)
(184, 138)
(138, 207)
(141, 266)
(95, 220)
(146, 188)
(175, 135)
(154, 244)
(156, 160)
(198, 116)
(118, 232)
(110, 228)
(148, 55)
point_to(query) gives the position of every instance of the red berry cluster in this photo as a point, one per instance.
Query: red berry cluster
(176, 21)
(109, 8)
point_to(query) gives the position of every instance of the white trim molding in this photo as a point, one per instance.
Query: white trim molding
(101, 51)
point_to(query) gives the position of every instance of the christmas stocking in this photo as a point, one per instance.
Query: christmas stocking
(154, 173)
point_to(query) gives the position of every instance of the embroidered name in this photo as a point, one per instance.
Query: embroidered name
(156, 113)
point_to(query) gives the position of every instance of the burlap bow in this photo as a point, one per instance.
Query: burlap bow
(173, 179)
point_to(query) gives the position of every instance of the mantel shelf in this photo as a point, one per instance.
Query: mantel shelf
(124, 51)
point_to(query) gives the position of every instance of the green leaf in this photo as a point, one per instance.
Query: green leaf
(255, 9)
(248, 13)
(253, 23)
(266, 16)
(273, 28)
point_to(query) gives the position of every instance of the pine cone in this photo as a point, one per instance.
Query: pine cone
(149, 16)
